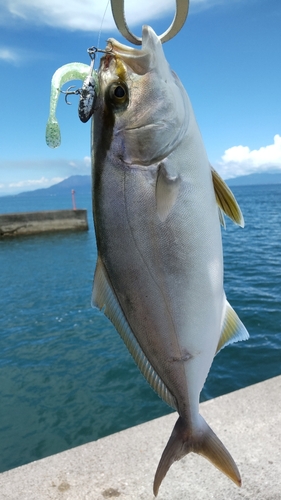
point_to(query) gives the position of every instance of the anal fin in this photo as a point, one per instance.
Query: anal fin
(104, 298)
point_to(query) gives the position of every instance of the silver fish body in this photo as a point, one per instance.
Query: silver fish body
(159, 275)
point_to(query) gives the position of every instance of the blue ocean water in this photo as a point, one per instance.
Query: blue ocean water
(65, 376)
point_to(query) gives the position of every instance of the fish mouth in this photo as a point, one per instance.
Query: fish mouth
(139, 60)
(121, 48)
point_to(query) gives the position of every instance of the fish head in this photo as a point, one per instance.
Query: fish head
(141, 110)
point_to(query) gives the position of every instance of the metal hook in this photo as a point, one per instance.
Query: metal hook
(118, 12)
(93, 50)
(68, 92)
(87, 91)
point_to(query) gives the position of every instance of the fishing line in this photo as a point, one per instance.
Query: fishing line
(102, 23)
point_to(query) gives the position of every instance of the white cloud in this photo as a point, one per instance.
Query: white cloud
(87, 15)
(25, 175)
(87, 161)
(240, 160)
(8, 55)
(38, 183)
(19, 56)
(28, 185)
(73, 14)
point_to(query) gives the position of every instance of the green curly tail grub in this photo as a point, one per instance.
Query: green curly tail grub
(66, 73)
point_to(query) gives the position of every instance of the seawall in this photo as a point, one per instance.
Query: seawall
(122, 466)
(25, 223)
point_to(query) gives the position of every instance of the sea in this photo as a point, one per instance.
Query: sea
(66, 377)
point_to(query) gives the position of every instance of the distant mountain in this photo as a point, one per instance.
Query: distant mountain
(255, 179)
(80, 183)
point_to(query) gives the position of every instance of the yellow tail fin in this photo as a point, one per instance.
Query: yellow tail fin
(204, 442)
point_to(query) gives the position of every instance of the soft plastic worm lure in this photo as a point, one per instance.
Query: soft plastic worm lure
(66, 73)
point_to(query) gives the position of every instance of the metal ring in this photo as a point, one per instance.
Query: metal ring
(118, 12)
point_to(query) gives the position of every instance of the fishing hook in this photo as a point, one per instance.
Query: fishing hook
(118, 12)
(93, 50)
(68, 92)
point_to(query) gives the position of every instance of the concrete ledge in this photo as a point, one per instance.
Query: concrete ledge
(122, 466)
(24, 223)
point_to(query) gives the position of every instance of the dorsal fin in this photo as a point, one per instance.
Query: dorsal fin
(225, 199)
(233, 329)
(104, 298)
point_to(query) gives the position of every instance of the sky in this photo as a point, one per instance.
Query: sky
(227, 56)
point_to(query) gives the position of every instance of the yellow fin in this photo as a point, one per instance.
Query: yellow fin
(104, 298)
(226, 200)
(221, 218)
(203, 442)
(233, 329)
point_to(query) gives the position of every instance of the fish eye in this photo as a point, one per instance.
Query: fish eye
(118, 94)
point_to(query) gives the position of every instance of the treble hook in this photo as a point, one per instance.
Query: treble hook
(68, 92)
(117, 7)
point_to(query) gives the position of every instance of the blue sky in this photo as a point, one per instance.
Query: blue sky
(227, 56)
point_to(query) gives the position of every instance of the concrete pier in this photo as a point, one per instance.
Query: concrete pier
(122, 466)
(25, 223)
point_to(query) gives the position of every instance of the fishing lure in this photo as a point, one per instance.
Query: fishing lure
(66, 73)
(79, 71)
(88, 91)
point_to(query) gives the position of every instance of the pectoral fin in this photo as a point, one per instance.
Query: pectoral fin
(233, 329)
(167, 188)
(226, 200)
(221, 218)
(104, 298)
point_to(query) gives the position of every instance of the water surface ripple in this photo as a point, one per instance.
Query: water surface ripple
(65, 376)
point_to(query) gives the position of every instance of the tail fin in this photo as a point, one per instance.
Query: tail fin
(204, 442)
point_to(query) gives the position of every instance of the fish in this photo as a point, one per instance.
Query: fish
(158, 206)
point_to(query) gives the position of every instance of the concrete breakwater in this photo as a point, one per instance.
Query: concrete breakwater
(25, 223)
(123, 465)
